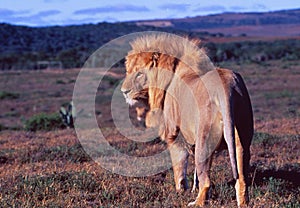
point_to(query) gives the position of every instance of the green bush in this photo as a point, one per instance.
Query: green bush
(2, 127)
(59, 81)
(46, 122)
(8, 95)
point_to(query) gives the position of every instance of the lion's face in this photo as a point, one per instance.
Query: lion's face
(147, 76)
(135, 86)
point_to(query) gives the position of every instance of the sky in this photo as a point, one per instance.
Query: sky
(70, 12)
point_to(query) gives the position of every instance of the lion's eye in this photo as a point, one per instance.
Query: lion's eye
(139, 75)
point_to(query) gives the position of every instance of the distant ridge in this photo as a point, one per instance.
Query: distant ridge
(228, 36)
(276, 23)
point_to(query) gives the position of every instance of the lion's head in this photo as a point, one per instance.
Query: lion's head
(135, 86)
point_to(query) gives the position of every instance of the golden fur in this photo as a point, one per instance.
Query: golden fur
(170, 47)
(205, 109)
(168, 52)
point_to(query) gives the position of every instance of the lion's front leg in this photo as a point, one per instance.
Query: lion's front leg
(179, 156)
(204, 183)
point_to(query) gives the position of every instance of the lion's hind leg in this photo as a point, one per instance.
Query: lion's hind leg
(242, 163)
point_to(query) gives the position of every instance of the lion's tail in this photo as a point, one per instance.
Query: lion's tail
(229, 133)
(227, 111)
(243, 118)
(237, 119)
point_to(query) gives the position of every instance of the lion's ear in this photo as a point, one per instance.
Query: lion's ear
(155, 58)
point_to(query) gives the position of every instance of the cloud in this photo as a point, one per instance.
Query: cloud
(90, 20)
(259, 6)
(213, 8)
(176, 7)
(72, 21)
(24, 17)
(110, 19)
(111, 9)
(237, 8)
(8, 12)
(54, 1)
(47, 13)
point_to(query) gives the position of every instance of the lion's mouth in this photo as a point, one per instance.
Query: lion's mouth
(130, 101)
(134, 98)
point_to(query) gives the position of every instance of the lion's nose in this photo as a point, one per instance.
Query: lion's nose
(125, 92)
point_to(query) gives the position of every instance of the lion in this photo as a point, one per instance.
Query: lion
(206, 108)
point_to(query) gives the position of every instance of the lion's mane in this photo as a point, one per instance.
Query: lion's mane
(163, 51)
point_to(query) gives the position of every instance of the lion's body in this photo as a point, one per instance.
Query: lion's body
(205, 109)
(197, 109)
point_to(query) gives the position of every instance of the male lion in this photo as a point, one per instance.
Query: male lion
(205, 108)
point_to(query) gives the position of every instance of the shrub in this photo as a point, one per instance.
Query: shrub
(46, 122)
(8, 95)
(2, 127)
(59, 81)
(264, 138)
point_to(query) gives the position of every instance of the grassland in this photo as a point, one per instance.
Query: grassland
(50, 168)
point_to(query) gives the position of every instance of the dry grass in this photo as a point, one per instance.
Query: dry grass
(50, 169)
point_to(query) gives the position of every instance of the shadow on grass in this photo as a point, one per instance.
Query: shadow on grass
(289, 173)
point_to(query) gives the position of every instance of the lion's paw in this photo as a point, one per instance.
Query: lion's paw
(192, 204)
(194, 189)
(195, 203)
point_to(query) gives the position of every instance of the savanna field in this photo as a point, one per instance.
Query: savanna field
(44, 165)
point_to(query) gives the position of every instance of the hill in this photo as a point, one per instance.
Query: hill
(22, 46)
(230, 36)
(285, 23)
